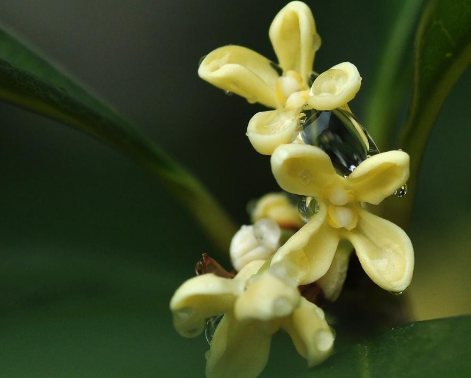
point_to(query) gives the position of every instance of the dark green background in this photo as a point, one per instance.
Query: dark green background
(92, 247)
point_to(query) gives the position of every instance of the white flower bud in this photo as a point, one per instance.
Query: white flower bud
(257, 242)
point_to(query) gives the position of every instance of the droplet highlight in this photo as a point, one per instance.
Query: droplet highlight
(211, 325)
(307, 208)
(401, 192)
(340, 135)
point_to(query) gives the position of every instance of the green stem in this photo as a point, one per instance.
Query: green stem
(388, 89)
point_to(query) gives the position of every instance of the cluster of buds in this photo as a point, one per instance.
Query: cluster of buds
(295, 253)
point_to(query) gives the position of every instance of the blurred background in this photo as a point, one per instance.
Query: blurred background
(92, 247)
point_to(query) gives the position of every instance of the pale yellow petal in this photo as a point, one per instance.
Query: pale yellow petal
(384, 250)
(278, 207)
(268, 296)
(311, 335)
(242, 71)
(268, 130)
(201, 297)
(310, 250)
(249, 270)
(335, 87)
(379, 176)
(294, 38)
(304, 170)
(238, 350)
(332, 282)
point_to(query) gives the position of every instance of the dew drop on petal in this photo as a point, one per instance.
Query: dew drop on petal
(307, 208)
(228, 93)
(211, 325)
(324, 340)
(340, 135)
(401, 192)
(397, 293)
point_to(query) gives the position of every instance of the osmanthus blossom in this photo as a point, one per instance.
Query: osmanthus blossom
(254, 307)
(384, 250)
(277, 206)
(289, 87)
(272, 215)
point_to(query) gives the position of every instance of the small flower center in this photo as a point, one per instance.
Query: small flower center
(291, 82)
(339, 196)
(341, 216)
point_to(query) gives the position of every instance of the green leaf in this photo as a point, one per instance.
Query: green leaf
(443, 52)
(75, 314)
(29, 81)
(392, 75)
(435, 348)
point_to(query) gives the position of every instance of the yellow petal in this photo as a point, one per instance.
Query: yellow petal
(311, 335)
(238, 350)
(294, 38)
(268, 296)
(384, 250)
(278, 207)
(335, 87)
(241, 71)
(379, 176)
(304, 170)
(249, 270)
(201, 297)
(332, 282)
(268, 130)
(310, 250)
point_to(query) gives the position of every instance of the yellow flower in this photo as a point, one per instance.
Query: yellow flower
(255, 306)
(384, 250)
(287, 87)
(251, 75)
(278, 207)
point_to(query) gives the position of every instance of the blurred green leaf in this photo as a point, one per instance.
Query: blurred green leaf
(435, 348)
(29, 81)
(392, 75)
(79, 314)
(443, 52)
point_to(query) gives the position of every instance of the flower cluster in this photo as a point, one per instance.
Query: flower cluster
(292, 254)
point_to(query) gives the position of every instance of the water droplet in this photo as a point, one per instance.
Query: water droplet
(324, 340)
(211, 325)
(201, 60)
(340, 135)
(228, 93)
(252, 100)
(397, 293)
(307, 207)
(200, 268)
(401, 192)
